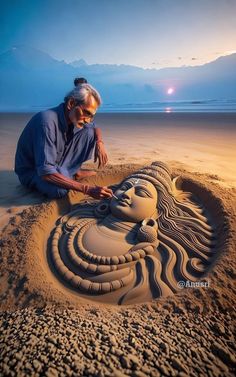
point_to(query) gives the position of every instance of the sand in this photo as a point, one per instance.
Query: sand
(89, 252)
(46, 330)
(203, 143)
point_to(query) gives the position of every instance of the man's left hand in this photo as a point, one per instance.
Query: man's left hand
(100, 154)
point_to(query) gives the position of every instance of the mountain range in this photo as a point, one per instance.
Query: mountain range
(30, 78)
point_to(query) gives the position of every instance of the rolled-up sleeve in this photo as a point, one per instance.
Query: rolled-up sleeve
(45, 149)
(90, 140)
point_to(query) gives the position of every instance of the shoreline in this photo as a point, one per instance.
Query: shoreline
(30, 112)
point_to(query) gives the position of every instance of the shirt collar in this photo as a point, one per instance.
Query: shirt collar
(62, 118)
(86, 125)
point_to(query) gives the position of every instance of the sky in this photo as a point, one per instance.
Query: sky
(144, 33)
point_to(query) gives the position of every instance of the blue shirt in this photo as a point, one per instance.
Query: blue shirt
(47, 145)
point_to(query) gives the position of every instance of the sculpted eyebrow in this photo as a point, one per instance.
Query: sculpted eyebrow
(127, 184)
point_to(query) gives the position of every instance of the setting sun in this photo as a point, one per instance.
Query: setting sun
(170, 91)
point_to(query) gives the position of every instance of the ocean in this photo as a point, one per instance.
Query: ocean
(193, 106)
(198, 106)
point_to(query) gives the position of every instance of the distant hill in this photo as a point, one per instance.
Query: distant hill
(78, 63)
(30, 78)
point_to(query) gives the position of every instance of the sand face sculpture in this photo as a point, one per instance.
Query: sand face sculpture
(136, 246)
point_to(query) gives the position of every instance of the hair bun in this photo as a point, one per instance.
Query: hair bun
(80, 80)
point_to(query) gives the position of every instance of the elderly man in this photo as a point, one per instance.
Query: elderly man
(55, 143)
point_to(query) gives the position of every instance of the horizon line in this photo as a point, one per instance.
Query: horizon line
(227, 53)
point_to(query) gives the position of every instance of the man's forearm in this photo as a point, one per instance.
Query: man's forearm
(65, 182)
(98, 135)
(97, 192)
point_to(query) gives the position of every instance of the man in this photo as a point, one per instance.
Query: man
(55, 143)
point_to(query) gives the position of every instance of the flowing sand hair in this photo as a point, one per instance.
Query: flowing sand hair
(182, 227)
(183, 253)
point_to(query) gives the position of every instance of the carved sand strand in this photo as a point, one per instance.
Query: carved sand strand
(99, 263)
(76, 281)
(178, 244)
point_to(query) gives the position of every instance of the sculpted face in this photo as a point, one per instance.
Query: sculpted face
(137, 200)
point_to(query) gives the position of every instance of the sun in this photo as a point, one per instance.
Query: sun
(170, 90)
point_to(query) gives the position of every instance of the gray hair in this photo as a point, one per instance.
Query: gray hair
(82, 92)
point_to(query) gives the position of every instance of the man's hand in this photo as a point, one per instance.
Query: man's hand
(99, 192)
(96, 192)
(100, 154)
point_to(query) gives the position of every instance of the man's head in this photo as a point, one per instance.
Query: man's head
(81, 103)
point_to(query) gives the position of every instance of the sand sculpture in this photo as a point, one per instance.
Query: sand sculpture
(137, 245)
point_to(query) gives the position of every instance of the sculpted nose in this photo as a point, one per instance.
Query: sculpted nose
(127, 194)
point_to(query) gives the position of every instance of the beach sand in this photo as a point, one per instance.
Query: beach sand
(201, 143)
(47, 330)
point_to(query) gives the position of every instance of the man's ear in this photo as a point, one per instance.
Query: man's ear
(70, 104)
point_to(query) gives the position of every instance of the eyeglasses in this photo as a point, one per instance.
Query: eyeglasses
(85, 113)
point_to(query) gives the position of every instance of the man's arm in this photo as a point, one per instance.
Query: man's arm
(96, 192)
(100, 154)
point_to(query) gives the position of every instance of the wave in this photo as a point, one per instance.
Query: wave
(209, 105)
(199, 105)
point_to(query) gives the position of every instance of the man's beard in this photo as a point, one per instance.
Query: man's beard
(74, 121)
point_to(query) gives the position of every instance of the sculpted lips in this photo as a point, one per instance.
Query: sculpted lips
(124, 202)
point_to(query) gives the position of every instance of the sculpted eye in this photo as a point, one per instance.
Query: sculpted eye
(143, 193)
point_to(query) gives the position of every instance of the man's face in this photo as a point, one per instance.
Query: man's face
(81, 114)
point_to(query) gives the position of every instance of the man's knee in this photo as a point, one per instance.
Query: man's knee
(48, 189)
(56, 193)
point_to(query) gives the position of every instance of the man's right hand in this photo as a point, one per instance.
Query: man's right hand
(96, 192)
(99, 192)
